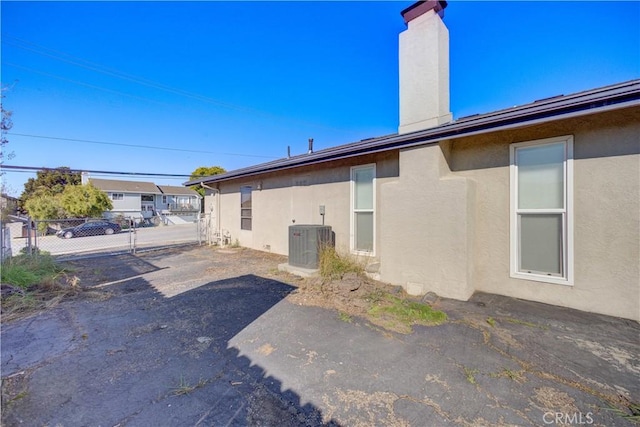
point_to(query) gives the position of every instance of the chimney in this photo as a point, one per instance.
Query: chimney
(310, 146)
(424, 67)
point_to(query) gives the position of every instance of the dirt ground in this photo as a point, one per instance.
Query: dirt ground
(198, 336)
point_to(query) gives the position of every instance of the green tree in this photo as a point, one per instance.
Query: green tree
(203, 171)
(76, 201)
(48, 182)
(81, 201)
(44, 206)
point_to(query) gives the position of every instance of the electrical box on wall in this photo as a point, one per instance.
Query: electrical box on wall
(306, 242)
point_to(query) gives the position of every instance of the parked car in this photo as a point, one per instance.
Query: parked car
(92, 228)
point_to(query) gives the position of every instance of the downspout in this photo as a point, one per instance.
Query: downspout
(217, 210)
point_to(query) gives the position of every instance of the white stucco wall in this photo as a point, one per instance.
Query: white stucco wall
(423, 56)
(606, 213)
(442, 213)
(294, 198)
(427, 237)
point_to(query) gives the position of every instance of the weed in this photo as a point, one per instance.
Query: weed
(633, 414)
(512, 375)
(184, 387)
(491, 321)
(334, 265)
(375, 297)
(38, 283)
(345, 317)
(25, 271)
(408, 312)
(470, 374)
(235, 244)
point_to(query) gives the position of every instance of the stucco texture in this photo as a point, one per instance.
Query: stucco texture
(443, 213)
(606, 212)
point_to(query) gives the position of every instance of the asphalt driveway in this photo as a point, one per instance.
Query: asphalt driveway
(202, 337)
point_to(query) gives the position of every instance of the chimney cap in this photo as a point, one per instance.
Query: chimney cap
(422, 7)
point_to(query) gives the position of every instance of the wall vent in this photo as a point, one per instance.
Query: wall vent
(305, 243)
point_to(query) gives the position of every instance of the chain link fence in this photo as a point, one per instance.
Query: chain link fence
(81, 236)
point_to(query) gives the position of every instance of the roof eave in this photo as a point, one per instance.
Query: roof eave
(595, 101)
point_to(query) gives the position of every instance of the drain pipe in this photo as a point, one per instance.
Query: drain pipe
(217, 210)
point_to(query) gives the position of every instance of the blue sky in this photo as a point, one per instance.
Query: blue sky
(238, 82)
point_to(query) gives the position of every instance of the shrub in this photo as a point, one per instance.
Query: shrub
(334, 265)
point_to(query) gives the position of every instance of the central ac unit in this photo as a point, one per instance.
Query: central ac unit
(306, 242)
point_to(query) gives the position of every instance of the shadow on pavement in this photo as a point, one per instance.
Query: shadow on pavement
(142, 359)
(109, 268)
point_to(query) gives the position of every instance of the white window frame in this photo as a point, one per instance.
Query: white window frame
(250, 216)
(164, 200)
(567, 212)
(113, 197)
(353, 211)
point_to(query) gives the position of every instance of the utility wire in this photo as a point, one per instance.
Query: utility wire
(40, 168)
(117, 92)
(152, 147)
(93, 175)
(83, 63)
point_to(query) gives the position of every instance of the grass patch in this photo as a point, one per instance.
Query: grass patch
(375, 297)
(334, 265)
(491, 321)
(25, 271)
(400, 314)
(32, 283)
(345, 317)
(184, 387)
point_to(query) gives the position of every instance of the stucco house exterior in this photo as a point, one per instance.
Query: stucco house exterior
(143, 200)
(539, 202)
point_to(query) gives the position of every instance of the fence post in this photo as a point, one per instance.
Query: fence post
(35, 250)
(199, 229)
(132, 235)
(29, 235)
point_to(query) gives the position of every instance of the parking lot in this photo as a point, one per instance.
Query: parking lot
(204, 337)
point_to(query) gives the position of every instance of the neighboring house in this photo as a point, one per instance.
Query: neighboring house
(143, 200)
(8, 206)
(178, 201)
(539, 202)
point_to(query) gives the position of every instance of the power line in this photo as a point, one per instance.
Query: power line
(139, 174)
(89, 85)
(99, 68)
(151, 147)
(93, 175)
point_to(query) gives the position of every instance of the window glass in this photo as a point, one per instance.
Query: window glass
(363, 208)
(364, 231)
(363, 188)
(541, 243)
(245, 208)
(541, 176)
